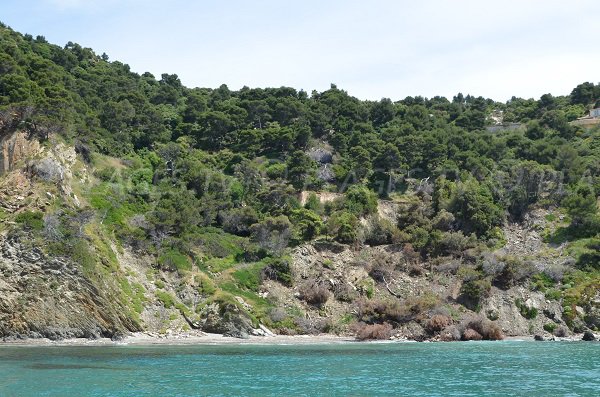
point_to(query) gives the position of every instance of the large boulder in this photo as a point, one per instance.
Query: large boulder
(227, 319)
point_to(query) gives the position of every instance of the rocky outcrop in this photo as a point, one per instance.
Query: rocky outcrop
(14, 147)
(501, 305)
(52, 298)
(227, 319)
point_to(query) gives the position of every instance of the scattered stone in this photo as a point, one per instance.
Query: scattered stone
(538, 338)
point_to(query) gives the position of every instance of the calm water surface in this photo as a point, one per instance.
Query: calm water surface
(409, 369)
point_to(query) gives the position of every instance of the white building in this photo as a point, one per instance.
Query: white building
(595, 113)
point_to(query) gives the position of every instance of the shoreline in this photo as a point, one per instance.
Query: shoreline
(148, 339)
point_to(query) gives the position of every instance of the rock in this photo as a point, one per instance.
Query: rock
(118, 336)
(227, 319)
(588, 336)
(539, 338)
(266, 330)
(50, 298)
(236, 333)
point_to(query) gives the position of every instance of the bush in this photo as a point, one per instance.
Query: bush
(314, 293)
(550, 327)
(379, 231)
(513, 271)
(526, 311)
(483, 327)
(174, 260)
(343, 292)
(437, 323)
(278, 269)
(343, 226)
(450, 334)
(238, 220)
(359, 200)
(471, 334)
(561, 331)
(312, 326)
(380, 268)
(32, 220)
(493, 331)
(373, 331)
(272, 234)
(473, 291)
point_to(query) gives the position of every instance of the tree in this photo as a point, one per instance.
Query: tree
(583, 94)
(359, 200)
(307, 223)
(474, 208)
(343, 226)
(300, 168)
(272, 234)
(581, 204)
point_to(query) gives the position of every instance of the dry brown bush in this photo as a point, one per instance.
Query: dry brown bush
(315, 326)
(450, 334)
(343, 292)
(471, 334)
(373, 331)
(314, 293)
(437, 323)
(380, 267)
(488, 330)
(382, 310)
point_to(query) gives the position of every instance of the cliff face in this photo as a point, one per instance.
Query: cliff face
(51, 297)
(14, 147)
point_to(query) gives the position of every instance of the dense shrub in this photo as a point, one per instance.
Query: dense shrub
(513, 271)
(483, 327)
(344, 292)
(373, 331)
(278, 269)
(471, 334)
(314, 293)
(272, 234)
(561, 331)
(32, 220)
(526, 311)
(174, 260)
(343, 227)
(474, 288)
(437, 323)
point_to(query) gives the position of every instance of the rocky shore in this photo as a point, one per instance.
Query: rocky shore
(203, 338)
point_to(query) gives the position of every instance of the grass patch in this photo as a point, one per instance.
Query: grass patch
(249, 276)
(32, 220)
(206, 286)
(166, 298)
(174, 260)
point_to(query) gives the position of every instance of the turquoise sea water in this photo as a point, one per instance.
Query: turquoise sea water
(401, 369)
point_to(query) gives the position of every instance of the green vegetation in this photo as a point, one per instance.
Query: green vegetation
(208, 180)
(526, 311)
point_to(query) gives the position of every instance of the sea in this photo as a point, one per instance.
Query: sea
(504, 368)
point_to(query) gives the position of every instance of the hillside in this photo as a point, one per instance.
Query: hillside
(129, 204)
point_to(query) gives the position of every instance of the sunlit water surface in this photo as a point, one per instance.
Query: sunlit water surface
(400, 369)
